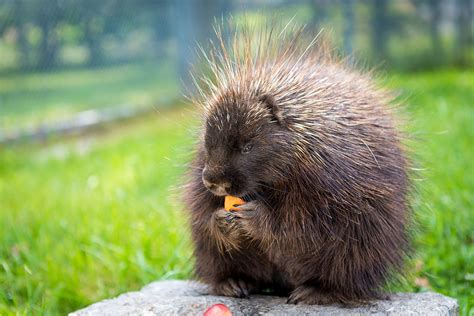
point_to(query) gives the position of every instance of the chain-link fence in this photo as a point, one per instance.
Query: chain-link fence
(60, 57)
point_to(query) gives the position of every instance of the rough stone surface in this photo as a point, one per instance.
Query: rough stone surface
(191, 298)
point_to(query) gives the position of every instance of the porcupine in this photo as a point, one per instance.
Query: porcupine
(314, 147)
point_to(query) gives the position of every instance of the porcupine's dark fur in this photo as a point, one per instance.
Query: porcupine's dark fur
(323, 171)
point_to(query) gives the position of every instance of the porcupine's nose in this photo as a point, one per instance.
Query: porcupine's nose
(215, 182)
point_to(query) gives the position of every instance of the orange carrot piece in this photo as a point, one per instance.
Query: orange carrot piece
(231, 202)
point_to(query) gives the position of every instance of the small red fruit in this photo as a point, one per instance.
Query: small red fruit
(218, 310)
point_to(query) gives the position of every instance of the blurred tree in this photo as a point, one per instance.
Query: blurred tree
(435, 20)
(110, 19)
(380, 26)
(96, 19)
(6, 15)
(20, 21)
(464, 47)
(319, 14)
(47, 15)
(92, 21)
(195, 20)
(21, 15)
(162, 26)
(349, 24)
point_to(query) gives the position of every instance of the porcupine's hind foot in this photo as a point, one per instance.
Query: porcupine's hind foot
(233, 287)
(310, 295)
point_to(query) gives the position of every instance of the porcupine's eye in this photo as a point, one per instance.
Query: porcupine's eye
(247, 148)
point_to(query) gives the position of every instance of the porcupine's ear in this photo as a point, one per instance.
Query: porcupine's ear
(274, 109)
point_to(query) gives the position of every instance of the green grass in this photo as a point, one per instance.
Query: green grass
(442, 107)
(33, 98)
(93, 217)
(84, 219)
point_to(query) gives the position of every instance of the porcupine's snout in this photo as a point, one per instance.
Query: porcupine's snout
(215, 182)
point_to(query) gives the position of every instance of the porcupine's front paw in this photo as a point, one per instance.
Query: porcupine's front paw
(225, 221)
(246, 217)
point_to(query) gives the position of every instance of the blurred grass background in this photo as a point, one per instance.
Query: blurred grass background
(37, 97)
(89, 216)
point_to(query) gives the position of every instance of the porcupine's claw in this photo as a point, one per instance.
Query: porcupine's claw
(249, 206)
(230, 216)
